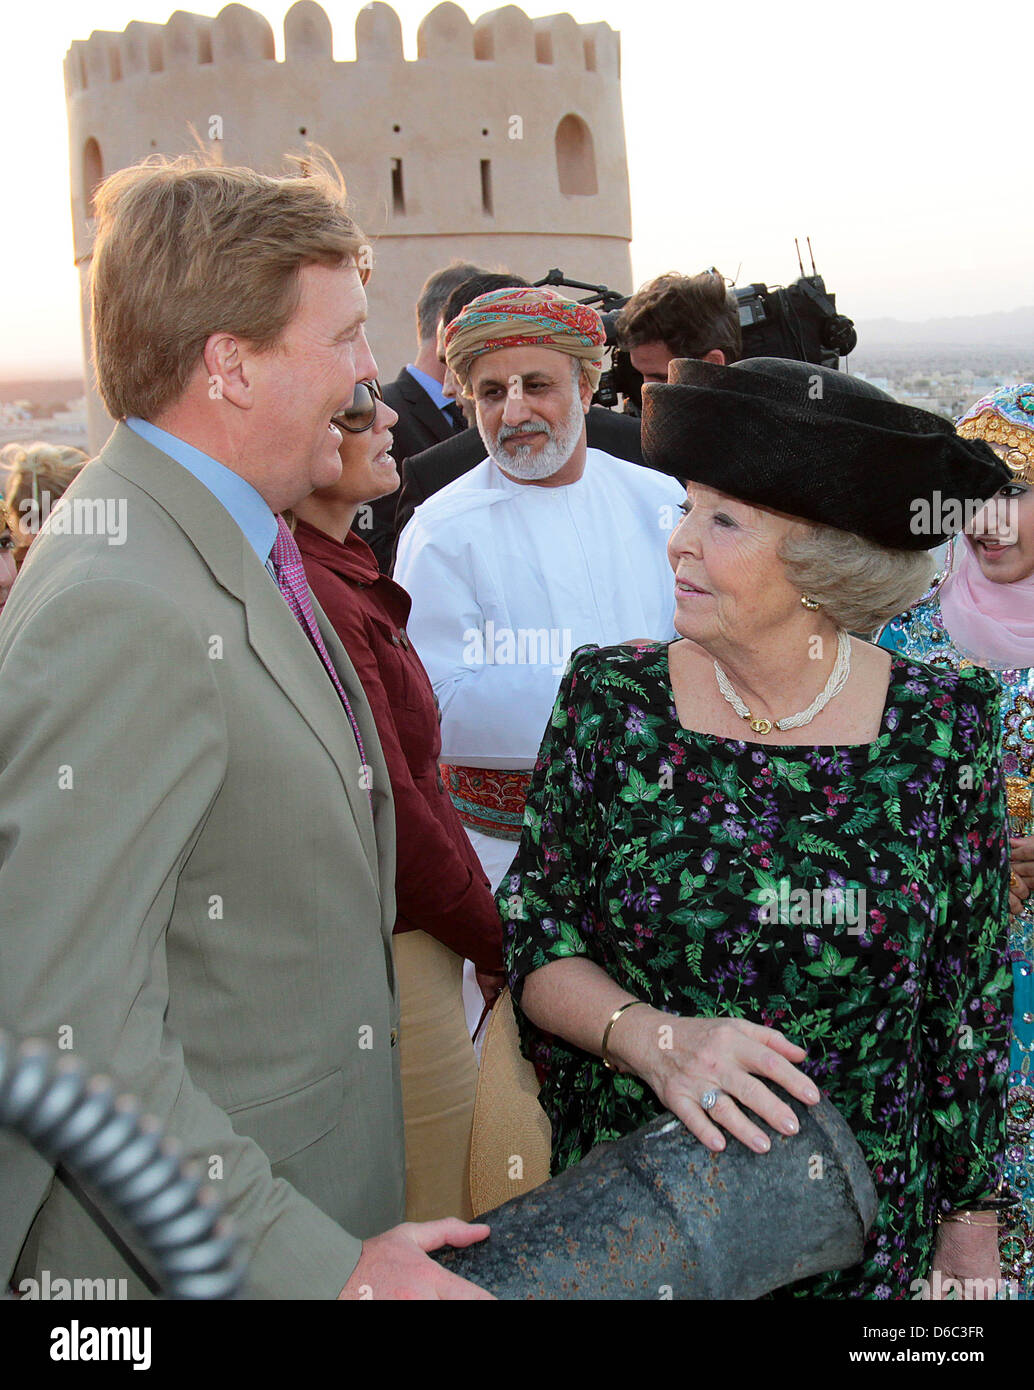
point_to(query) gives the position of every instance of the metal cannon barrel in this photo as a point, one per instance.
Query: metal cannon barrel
(657, 1215)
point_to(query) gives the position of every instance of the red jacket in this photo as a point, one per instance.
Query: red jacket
(439, 883)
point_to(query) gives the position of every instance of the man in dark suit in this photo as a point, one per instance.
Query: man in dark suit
(422, 422)
(426, 414)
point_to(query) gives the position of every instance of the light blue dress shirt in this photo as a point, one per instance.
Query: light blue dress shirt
(432, 387)
(247, 507)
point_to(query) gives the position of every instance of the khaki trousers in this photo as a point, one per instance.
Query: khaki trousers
(439, 1078)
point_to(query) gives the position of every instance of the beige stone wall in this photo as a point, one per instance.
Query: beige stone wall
(537, 101)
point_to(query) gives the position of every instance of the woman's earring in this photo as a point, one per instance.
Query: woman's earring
(809, 603)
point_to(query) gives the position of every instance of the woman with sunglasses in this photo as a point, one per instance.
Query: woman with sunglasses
(445, 909)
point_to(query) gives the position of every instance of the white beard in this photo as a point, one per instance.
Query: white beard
(529, 466)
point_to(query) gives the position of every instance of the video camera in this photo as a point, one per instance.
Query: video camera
(799, 321)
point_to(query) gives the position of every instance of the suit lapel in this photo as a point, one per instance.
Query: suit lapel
(423, 407)
(278, 640)
(274, 634)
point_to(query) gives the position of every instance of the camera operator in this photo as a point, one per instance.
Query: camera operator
(680, 316)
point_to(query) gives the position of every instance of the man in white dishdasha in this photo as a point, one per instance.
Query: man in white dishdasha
(545, 545)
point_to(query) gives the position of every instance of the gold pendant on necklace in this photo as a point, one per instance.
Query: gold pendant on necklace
(760, 726)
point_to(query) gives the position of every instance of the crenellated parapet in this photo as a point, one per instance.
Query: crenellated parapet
(483, 108)
(378, 35)
(501, 141)
(308, 35)
(238, 34)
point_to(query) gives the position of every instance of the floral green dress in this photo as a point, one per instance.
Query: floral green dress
(675, 860)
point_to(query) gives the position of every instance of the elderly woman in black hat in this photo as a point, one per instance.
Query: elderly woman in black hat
(770, 857)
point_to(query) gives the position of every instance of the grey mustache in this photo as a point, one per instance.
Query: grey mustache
(507, 431)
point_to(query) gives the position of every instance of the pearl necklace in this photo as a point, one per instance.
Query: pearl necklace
(837, 680)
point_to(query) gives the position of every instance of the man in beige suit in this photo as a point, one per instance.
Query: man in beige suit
(197, 850)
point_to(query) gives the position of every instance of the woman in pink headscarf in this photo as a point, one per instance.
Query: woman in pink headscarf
(981, 613)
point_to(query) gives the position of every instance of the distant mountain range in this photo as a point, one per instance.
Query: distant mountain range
(1014, 329)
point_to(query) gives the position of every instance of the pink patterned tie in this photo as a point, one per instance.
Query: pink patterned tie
(290, 577)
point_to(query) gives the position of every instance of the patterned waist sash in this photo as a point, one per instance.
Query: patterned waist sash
(488, 799)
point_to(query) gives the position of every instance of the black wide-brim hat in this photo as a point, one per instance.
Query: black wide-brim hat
(819, 445)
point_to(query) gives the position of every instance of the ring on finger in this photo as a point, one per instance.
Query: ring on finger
(1014, 882)
(709, 1100)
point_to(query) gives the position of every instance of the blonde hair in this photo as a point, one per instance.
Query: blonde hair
(37, 467)
(859, 585)
(185, 249)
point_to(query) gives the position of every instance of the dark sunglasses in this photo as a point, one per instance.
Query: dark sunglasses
(361, 414)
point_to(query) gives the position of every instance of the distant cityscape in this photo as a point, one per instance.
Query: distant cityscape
(940, 379)
(51, 410)
(945, 382)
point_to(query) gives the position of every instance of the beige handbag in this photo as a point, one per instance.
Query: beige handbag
(510, 1143)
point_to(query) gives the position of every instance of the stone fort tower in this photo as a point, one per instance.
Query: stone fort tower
(502, 143)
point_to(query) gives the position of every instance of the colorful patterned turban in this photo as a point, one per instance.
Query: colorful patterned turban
(536, 317)
(1005, 418)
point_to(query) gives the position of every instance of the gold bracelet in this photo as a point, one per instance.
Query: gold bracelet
(606, 1032)
(952, 1217)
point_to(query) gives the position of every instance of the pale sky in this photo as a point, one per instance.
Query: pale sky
(895, 133)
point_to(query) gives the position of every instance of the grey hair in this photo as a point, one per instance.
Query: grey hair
(858, 584)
